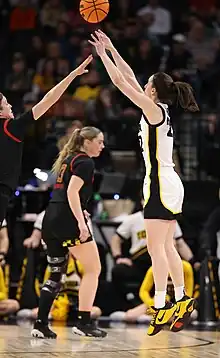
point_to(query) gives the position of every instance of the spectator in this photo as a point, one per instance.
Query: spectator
(50, 148)
(7, 306)
(147, 60)
(52, 13)
(133, 268)
(62, 37)
(146, 293)
(23, 17)
(209, 234)
(101, 109)
(4, 243)
(53, 52)
(180, 63)
(89, 86)
(19, 80)
(43, 82)
(36, 52)
(62, 68)
(162, 18)
(200, 44)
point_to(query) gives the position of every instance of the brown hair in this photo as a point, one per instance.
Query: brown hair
(171, 92)
(74, 144)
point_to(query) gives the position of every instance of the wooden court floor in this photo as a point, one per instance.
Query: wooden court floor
(123, 342)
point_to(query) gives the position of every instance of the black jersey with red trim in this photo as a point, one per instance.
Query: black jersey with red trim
(12, 132)
(80, 165)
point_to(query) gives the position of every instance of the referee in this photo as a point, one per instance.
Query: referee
(12, 132)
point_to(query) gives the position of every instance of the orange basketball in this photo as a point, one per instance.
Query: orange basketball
(94, 10)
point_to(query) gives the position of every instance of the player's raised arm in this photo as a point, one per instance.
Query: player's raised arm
(119, 61)
(56, 92)
(150, 109)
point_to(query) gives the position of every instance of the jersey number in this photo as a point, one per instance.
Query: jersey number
(61, 173)
(141, 142)
(141, 235)
(170, 132)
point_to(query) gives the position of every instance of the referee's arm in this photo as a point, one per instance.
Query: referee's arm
(123, 232)
(35, 239)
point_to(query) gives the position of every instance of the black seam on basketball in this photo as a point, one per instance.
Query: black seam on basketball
(97, 16)
(103, 11)
(89, 2)
(92, 6)
(90, 14)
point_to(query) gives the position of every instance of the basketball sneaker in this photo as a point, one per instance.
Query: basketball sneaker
(160, 317)
(184, 309)
(90, 330)
(41, 330)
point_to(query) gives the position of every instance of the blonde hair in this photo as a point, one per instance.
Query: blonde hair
(74, 144)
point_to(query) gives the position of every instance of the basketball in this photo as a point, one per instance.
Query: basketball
(94, 11)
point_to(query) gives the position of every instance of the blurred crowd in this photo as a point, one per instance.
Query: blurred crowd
(41, 41)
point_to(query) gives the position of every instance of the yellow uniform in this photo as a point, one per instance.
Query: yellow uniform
(3, 289)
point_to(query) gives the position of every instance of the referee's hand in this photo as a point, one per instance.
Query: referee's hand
(84, 232)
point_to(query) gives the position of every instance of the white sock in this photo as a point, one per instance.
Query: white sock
(179, 292)
(159, 299)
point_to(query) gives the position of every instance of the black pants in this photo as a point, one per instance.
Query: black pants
(128, 279)
(5, 196)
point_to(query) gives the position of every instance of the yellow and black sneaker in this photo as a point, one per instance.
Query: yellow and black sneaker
(185, 307)
(160, 317)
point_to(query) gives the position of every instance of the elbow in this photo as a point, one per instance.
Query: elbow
(141, 294)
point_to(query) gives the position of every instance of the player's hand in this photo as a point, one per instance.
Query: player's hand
(197, 266)
(105, 39)
(84, 232)
(98, 44)
(81, 69)
(86, 214)
(31, 242)
(125, 261)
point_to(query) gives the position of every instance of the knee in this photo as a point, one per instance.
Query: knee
(14, 306)
(93, 268)
(152, 248)
(170, 247)
(10, 306)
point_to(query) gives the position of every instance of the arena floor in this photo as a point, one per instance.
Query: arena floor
(122, 341)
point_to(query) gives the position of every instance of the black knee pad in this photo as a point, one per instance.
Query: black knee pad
(52, 287)
(58, 267)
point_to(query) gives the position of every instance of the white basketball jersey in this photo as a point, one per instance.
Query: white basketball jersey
(133, 227)
(157, 141)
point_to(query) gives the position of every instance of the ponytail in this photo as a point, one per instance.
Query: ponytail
(171, 92)
(73, 145)
(185, 97)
